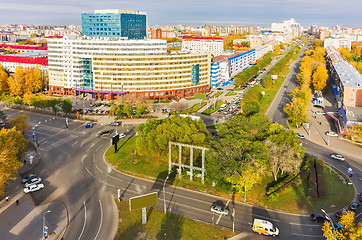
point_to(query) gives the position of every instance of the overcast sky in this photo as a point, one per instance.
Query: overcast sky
(347, 13)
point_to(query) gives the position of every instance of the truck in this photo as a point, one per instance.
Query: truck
(265, 227)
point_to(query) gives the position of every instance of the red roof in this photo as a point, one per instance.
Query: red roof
(54, 37)
(204, 38)
(28, 60)
(23, 47)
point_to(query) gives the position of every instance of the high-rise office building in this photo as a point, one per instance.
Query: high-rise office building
(115, 23)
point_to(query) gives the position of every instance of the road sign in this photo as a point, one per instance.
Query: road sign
(143, 201)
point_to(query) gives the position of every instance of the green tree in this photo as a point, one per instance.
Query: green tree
(54, 103)
(317, 42)
(297, 112)
(66, 106)
(251, 108)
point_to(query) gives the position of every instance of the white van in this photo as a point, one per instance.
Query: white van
(265, 227)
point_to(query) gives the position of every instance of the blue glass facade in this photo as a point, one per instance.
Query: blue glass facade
(87, 73)
(132, 26)
(195, 74)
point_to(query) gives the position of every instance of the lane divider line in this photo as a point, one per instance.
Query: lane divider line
(85, 220)
(100, 225)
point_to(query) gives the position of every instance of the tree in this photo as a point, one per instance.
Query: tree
(3, 81)
(349, 231)
(355, 132)
(320, 78)
(251, 108)
(317, 42)
(66, 105)
(303, 93)
(276, 50)
(3, 116)
(53, 103)
(297, 111)
(20, 123)
(12, 148)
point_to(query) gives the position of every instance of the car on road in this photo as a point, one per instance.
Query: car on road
(320, 113)
(219, 88)
(299, 135)
(265, 227)
(331, 134)
(33, 188)
(33, 181)
(122, 135)
(27, 178)
(354, 206)
(318, 106)
(115, 123)
(220, 209)
(103, 133)
(89, 125)
(317, 217)
(360, 197)
(106, 112)
(339, 213)
(337, 157)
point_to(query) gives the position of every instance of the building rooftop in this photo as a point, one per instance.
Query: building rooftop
(203, 38)
(30, 54)
(5, 46)
(349, 76)
(27, 60)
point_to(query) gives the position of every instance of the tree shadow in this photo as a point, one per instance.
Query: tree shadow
(133, 231)
(171, 227)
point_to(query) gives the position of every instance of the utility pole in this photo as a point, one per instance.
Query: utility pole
(164, 194)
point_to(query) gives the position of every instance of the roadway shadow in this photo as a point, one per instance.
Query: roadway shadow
(171, 227)
(158, 184)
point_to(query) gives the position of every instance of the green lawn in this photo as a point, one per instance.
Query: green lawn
(270, 94)
(231, 93)
(293, 198)
(195, 108)
(164, 226)
(213, 108)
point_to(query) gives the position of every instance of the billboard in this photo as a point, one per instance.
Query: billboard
(143, 201)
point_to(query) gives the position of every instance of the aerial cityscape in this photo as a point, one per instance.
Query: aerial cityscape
(181, 120)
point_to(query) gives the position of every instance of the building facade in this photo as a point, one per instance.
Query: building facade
(338, 42)
(115, 23)
(111, 67)
(12, 62)
(213, 45)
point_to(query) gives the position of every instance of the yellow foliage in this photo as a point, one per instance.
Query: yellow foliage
(320, 78)
(19, 122)
(3, 81)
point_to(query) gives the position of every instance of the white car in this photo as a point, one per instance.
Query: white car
(32, 181)
(216, 208)
(301, 136)
(337, 157)
(33, 188)
(320, 112)
(331, 134)
(122, 135)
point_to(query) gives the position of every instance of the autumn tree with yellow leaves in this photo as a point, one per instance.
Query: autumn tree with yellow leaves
(28, 80)
(320, 78)
(12, 148)
(349, 231)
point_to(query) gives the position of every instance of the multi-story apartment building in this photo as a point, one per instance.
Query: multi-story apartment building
(224, 68)
(115, 23)
(22, 49)
(338, 42)
(11, 62)
(213, 45)
(347, 87)
(110, 67)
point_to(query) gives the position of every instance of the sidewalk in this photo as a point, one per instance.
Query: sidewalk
(25, 220)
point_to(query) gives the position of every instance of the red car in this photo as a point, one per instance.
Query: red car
(106, 112)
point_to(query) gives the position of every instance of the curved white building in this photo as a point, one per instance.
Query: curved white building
(110, 67)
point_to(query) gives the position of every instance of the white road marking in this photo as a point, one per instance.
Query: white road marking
(360, 178)
(100, 225)
(90, 147)
(298, 234)
(307, 225)
(89, 172)
(218, 220)
(85, 220)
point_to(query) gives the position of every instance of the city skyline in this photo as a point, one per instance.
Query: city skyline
(187, 12)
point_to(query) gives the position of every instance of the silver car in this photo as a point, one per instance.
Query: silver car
(32, 181)
(216, 208)
(337, 157)
(33, 188)
(331, 134)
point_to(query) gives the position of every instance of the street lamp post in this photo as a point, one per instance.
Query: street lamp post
(45, 228)
(164, 194)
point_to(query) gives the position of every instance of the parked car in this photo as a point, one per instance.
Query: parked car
(317, 217)
(33, 181)
(106, 112)
(89, 125)
(103, 133)
(354, 206)
(219, 88)
(220, 209)
(122, 135)
(339, 213)
(299, 135)
(337, 157)
(115, 123)
(33, 188)
(360, 197)
(331, 134)
(27, 178)
(320, 113)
